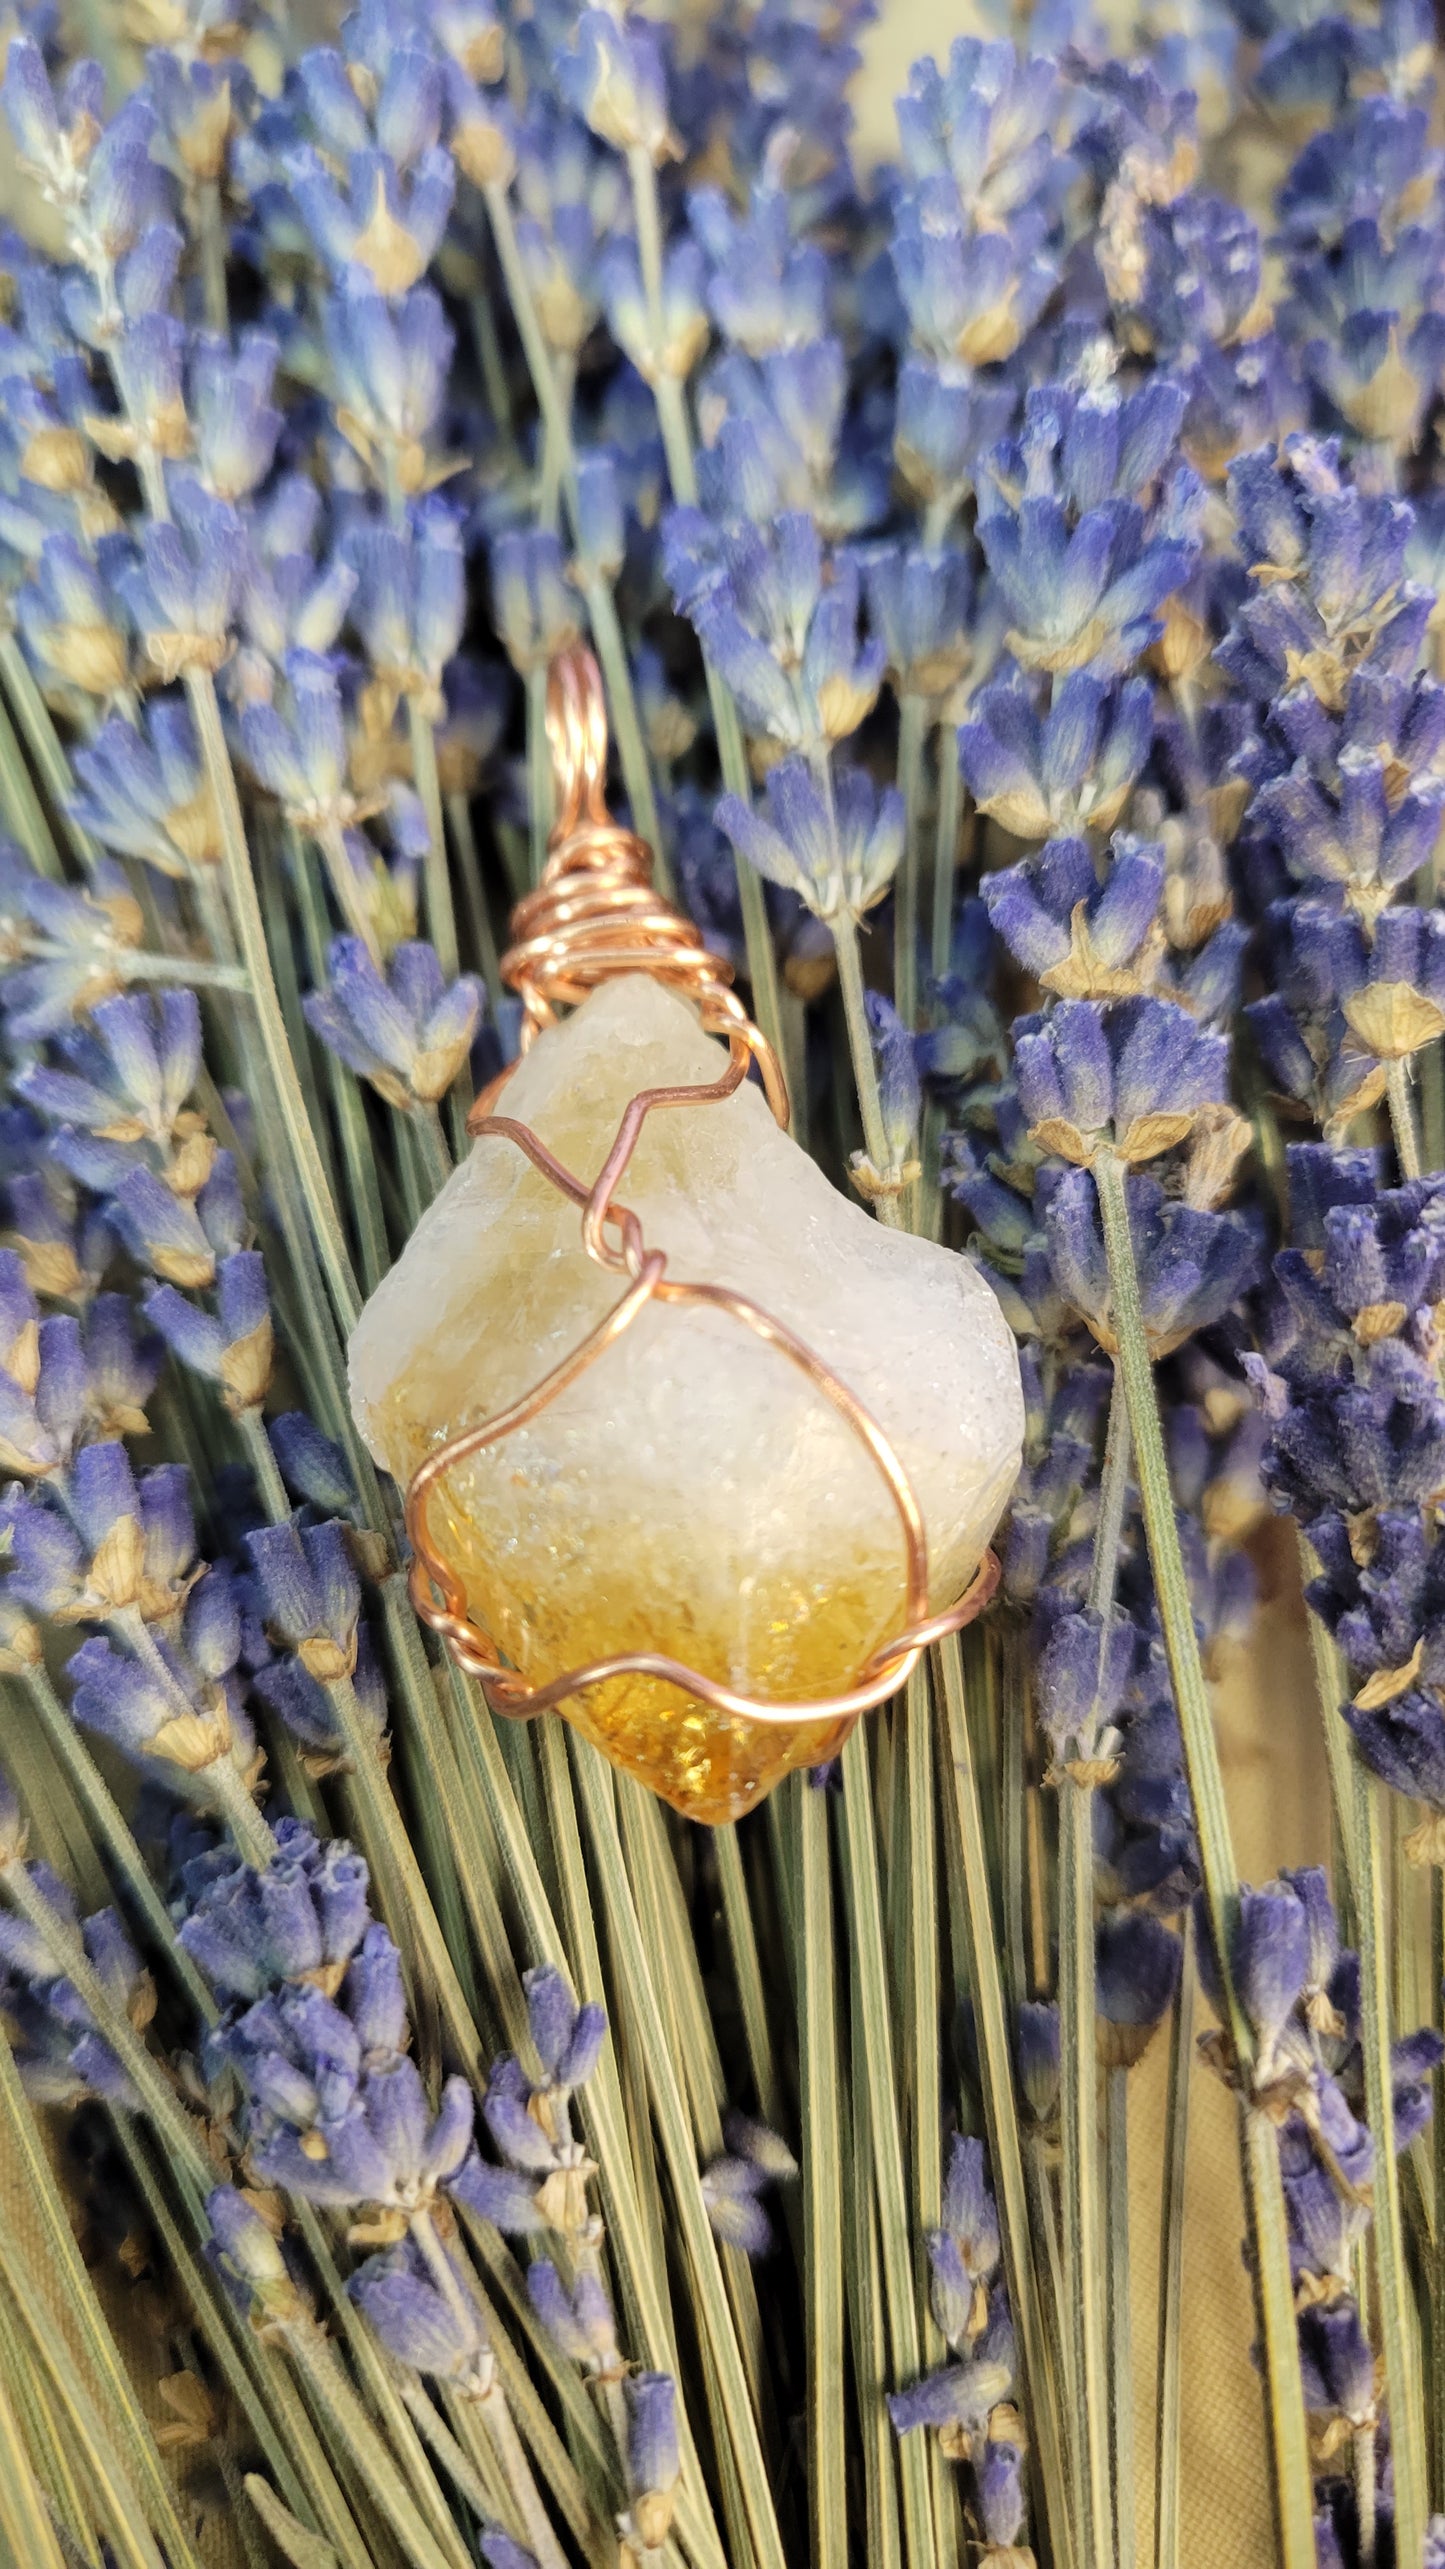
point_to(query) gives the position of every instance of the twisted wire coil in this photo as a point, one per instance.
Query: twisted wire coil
(594, 915)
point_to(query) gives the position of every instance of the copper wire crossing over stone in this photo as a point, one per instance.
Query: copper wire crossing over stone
(596, 916)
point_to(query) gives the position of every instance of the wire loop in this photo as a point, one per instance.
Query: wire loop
(594, 915)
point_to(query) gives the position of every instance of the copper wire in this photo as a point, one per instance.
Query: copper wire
(596, 914)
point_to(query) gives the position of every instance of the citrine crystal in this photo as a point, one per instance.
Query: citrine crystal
(692, 1493)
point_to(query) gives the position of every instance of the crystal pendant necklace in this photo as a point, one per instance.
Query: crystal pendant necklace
(696, 1452)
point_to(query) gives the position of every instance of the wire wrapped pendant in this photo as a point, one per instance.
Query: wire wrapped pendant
(710, 1529)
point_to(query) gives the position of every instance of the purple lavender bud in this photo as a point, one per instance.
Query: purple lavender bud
(304, 1915)
(29, 103)
(845, 860)
(425, 2328)
(309, 1593)
(999, 2481)
(1137, 1966)
(900, 1090)
(1037, 2053)
(765, 2149)
(375, 1995)
(144, 793)
(409, 1033)
(730, 2190)
(1271, 1958)
(555, 2021)
(969, 2215)
(503, 2196)
(246, 2248)
(1034, 906)
(312, 1466)
(1192, 1265)
(1414, 2060)
(553, 2306)
(236, 424)
(961, 2395)
(163, 1229)
(1083, 1672)
(943, 426)
(499, 2551)
(119, 1699)
(653, 2462)
(517, 2134)
(182, 593)
(1337, 2363)
(535, 611)
(616, 82)
(601, 520)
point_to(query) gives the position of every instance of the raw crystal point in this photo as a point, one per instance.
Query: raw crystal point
(692, 1493)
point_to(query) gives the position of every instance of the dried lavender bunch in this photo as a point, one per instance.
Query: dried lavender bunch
(352, 382)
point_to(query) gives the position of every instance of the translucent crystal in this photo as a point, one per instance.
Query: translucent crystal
(692, 1493)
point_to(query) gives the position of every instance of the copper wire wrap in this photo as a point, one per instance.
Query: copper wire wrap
(596, 914)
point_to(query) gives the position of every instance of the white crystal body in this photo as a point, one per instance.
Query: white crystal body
(692, 1492)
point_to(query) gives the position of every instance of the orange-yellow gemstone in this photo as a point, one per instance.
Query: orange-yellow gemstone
(692, 1493)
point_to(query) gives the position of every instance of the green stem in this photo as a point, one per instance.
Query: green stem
(1432, 1103)
(1264, 2192)
(1402, 1118)
(498, 2417)
(1436, 2275)
(347, 890)
(387, 1831)
(43, 742)
(436, 1159)
(348, 1105)
(253, 2373)
(539, 771)
(187, 968)
(1039, 2388)
(251, 1427)
(1121, 2358)
(1079, 2128)
(1362, 2455)
(672, 420)
(1402, 2388)
(921, 1909)
(113, 1834)
(695, 2235)
(27, 2528)
(1330, 1693)
(747, 1971)
(626, 725)
(50, 2226)
(875, 2035)
(173, 2125)
(250, 929)
(211, 234)
(822, 2185)
(945, 850)
(24, 812)
(882, 2538)
(912, 733)
(474, 890)
(436, 881)
(347, 2423)
(1169, 2422)
(860, 1053)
